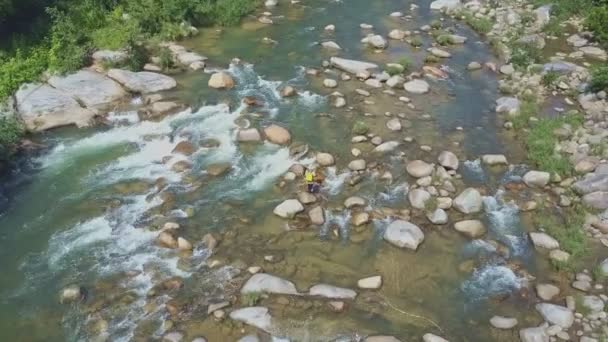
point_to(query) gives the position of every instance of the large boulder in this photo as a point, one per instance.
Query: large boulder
(597, 200)
(537, 178)
(594, 52)
(418, 198)
(317, 215)
(597, 181)
(221, 80)
(93, 90)
(404, 234)
(416, 86)
(330, 291)
(445, 4)
(352, 66)
(289, 208)
(256, 316)
(448, 160)
(468, 202)
(277, 134)
(42, 107)
(419, 168)
(556, 314)
(143, 81)
(262, 282)
(471, 228)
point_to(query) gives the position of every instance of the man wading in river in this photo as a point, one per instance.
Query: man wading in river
(309, 177)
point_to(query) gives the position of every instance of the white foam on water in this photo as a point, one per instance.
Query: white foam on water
(340, 220)
(395, 193)
(503, 218)
(267, 166)
(129, 117)
(478, 246)
(334, 181)
(475, 169)
(490, 281)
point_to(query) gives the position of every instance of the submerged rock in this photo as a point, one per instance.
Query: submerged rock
(416, 86)
(266, 283)
(143, 81)
(404, 234)
(257, 316)
(556, 314)
(289, 208)
(468, 202)
(352, 66)
(333, 292)
(500, 322)
(71, 294)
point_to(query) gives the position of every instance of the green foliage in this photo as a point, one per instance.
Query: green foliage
(597, 21)
(393, 70)
(436, 24)
(406, 63)
(554, 27)
(21, 68)
(251, 298)
(480, 25)
(445, 39)
(431, 59)
(528, 18)
(599, 79)
(11, 131)
(527, 110)
(166, 58)
(524, 54)
(116, 31)
(138, 56)
(550, 78)
(416, 41)
(360, 127)
(69, 46)
(568, 231)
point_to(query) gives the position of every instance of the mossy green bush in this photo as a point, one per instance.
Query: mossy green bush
(599, 79)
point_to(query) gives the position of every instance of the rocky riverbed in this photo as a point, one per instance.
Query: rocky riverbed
(178, 212)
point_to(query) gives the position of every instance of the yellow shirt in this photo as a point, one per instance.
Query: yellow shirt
(309, 176)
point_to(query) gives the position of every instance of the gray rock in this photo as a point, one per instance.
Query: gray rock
(416, 86)
(593, 303)
(289, 208)
(94, 90)
(576, 41)
(546, 291)
(387, 146)
(354, 201)
(331, 45)
(109, 56)
(445, 4)
(357, 165)
(438, 216)
(535, 40)
(418, 198)
(352, 66)
(257, 316)
(221, 80)
(437, 52)
(559, 67)
(604, 266)
(542, 240)
(500, 322)
(370, 282)
(433, 338)
(249, 135)
(591, 183)
(174, 336)
(381, 338)
(509, 105)
(594, 52)
(333, 292)
(474, 66)
(395, 81)
(71, 294)
(394, 124)
(317, 215)
(419, 168)
(535, 334)
(404, 234)
(249, 338)
(537, 178)
(266, 283)
(494, 159)
(325, 159)
(306, 197)
(468, 202)
(456, 39)
(143, 81)
(507, 69)
(448, 160)
(556, 314)
(42, 107)
(396, 34)
(543, 15)
(471, 228)
(596, 200)
(376, 41)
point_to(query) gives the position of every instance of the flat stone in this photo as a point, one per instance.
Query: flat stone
(352, 66)
(470, 228)
(534, 334)
(445, 5)
(556, 314)
(306, 197)
(416, 86)
(143, 81)
(468, 202)
(597, 200)
(370, 282)
(333, 292)
(404, 234)
(591, 183)
(256, 316)
(494, 159)
(289, 208)
(249, 135)
(537, 178)
(542, 240)
(267, 283)
(317, 215)
(387, 146)
(357, 165)
(419, 168)
(500, 322)
(92, 89)
(546, 291)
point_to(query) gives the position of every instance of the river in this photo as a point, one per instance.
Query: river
(86, 209)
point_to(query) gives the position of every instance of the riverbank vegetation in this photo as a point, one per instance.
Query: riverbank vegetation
(66, 33)
(10, 134)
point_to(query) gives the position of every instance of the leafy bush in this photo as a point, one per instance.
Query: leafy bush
(524, 54)
(393, 70)
(431, 59)
(416, 41)
(406, 63)
(599, 79)
(11, 131)
(480, 25)
(21, 68)
(597, 21)
(445, 39)
(116, 32)
(69, 46)
(166, 58)
(436, 24)
(549, 78)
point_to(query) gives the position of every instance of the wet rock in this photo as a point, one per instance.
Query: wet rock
(394, 124)
(474, 66)
(209, 241)
(556, 314)
(174, 336)
(594, 52)
(71, 294)
(494, 159)
(352, 66)
(325, 159)
(109, 56)
(185, 148)
(593, 182)
(419, 168)
(221, 80)
(277, 134)
(576, 41)
(331, 45)
(329, 83)
(468, 202)
(594, 303)
(333, 292)
(161, 108)
(183, 244)
(596, 200)
(416, 86)
(43, 107)
(534, 334)
(559, 255)
(448, 160)
(317, 215)
(288, 91)
(437, 52)
(266, 283)
(93, 90)
(289, 208)
(456, 39)
(433, 338)
(542, 240)
(438, 216)
(470, 228)
(143, 81)
(395, 81)
(376, 41)
(546, 291)
(219, 169)
(370, 282)
(354, 201)
(418, 198)
(360, 219)
(336, 306)
(500, 322)
(166, 240)
(396, 34)
(444, 5)
(382, 338)
(385, 147)
(249, 135)
(357, 165)
(256, 316)
(306, 197)
(435, 72)
(404, 234)
(537, 178)
(509, 105)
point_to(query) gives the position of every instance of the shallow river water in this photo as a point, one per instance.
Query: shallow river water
(86, 209)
